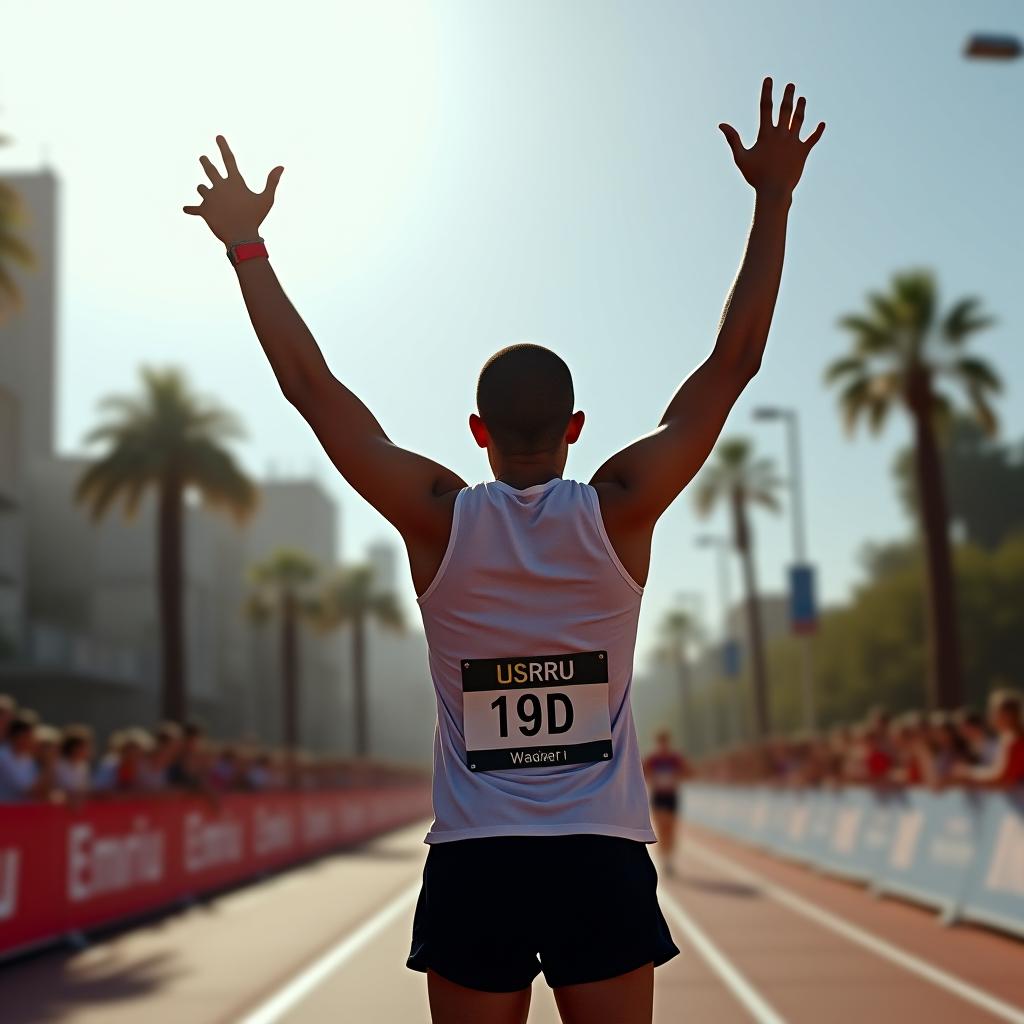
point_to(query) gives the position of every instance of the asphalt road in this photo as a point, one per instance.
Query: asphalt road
(762, 941)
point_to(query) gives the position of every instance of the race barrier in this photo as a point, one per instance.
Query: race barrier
(65, 870)
(959, 851)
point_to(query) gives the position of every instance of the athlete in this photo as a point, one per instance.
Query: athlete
(529, 587)
(665, 769)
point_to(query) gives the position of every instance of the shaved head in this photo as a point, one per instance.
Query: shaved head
(525, 397)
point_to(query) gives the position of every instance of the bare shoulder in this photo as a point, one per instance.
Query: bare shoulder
(426, 547)
(630, 536)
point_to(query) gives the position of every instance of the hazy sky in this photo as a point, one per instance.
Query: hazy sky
(462, 175)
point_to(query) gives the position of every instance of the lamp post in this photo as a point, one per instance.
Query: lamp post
(802, 613)
(730, 651)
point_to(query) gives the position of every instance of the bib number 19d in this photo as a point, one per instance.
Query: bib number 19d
(536, 711)
(529, 710)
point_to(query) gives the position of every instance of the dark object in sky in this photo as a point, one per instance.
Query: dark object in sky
(993, 47)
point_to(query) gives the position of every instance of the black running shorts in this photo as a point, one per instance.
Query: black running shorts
(493, 913)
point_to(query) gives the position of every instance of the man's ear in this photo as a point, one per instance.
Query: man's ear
(478, 429)
(575, 428)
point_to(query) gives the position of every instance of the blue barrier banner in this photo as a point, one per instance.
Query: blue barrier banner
(960, 851)
(819, 825)
(933, 848)
(995, 889)
(843, 852)
(879, 830)
(793, 838)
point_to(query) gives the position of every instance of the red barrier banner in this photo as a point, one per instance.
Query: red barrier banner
(65, 869)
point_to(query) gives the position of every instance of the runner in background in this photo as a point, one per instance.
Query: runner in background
(665, 769)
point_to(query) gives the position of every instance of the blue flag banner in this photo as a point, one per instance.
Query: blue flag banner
(732, 659)
(803, 613)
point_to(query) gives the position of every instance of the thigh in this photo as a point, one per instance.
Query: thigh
(455, 1004)
(627, 999)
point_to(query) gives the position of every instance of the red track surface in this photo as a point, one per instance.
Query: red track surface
(749, 953)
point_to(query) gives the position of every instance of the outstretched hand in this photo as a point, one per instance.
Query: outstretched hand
(232, 211)
(776, 160)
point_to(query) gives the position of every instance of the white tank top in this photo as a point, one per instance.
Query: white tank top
(531, 626)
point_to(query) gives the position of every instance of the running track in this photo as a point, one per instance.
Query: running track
(762, 941)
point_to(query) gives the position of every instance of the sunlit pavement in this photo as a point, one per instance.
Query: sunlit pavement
(761, 940)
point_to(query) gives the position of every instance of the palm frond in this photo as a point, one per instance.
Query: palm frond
(886, 311)
(351, 595)
(124, 474)
(166, 431)
(387, 611)
(844, 367)
(10, 293)
(259, 607)
(706, 494)
(732, 470)
(871, 337)
(285, 568)
(15, 250)
(943, 414)
(213, 471)
(877, 411)
(900, 324)
(974, 372)
(853, 401)
(964, 319)
(982, 411)
(916, 296)
(761, 496)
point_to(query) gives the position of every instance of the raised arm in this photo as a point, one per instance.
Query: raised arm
(410, 491)
(642, 480)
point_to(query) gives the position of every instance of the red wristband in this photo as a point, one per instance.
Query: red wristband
(247, 251)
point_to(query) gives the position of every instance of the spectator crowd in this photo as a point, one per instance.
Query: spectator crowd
(40, 762)
(940, 749)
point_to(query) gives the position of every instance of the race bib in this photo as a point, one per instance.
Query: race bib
(536, 711)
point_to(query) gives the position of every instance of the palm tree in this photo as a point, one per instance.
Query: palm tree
(902, 351)
(739, 479)
(13, 251)
(677, 629)
(169, 441)
(351, 599)
(281, 587)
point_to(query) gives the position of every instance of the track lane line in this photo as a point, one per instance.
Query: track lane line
(853, 933)
(755, 1004)
(294, 991)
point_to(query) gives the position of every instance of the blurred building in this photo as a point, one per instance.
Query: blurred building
(402, 705)
(298, 515)
(382, 558)
(657, 692)
(774, 618)
(27, 360)
(93, 614)
(79, 622)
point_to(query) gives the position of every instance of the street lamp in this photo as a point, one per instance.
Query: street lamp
(988, 46)
(803, 618)
(730, 649)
